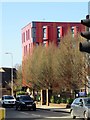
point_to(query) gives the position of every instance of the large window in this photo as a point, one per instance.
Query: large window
(23, 37)
(44, 32)
(28, 34)
(58, 32)
(33, 32)
(72, 30)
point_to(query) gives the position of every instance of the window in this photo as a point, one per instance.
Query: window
(24, 36)
(87, 101)
(9, 97)
(33, 32)
(28, 34)
(58, 32)
(76, 101)
(72, 30)
(44, 32)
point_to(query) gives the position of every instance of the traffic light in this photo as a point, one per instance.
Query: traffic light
(85, 46)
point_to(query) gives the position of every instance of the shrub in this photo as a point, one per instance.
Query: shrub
(63, 100)
(21, 93)
(58, 101)
(88, 94)
(52, 99)
(69, 100)
(38, 98)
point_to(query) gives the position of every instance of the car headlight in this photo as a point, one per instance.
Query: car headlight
(5, 102)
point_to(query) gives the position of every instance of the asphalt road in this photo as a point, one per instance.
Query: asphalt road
(12, 114)
(38, 114)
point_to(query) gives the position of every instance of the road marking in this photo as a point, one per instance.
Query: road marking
(36, 115)
(60, 117)
(25, 113)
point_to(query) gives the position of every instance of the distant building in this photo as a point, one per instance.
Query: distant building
(5, 77)
(36, 33)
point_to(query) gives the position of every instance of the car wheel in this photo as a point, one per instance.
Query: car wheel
(72, 114)
(34, 109)
(86, 116)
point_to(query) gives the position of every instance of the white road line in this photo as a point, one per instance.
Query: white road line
(36, 115)
(25, 113)
(60, 117)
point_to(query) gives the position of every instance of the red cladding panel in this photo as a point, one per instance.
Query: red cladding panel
(61, 31)
(75, 30)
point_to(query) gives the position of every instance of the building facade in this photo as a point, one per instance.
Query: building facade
(36, 33)
(5, 79)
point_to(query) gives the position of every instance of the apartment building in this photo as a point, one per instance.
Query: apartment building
(37, 32)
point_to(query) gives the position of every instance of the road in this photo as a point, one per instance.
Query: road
(12, 114)
(38, 114)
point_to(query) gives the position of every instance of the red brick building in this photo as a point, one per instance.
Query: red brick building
(36, 33)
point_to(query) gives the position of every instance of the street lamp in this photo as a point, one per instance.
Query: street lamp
(11, 73)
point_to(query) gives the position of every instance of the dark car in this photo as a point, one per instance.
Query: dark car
(25, 102)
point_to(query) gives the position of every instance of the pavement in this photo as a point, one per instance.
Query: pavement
(53, 108)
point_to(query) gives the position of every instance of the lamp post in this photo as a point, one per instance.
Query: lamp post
(11, 73)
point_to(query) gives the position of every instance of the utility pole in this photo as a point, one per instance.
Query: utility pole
(11, 73)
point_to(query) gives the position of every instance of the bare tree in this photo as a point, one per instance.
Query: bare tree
(69, 67)
(56, 67)
(18, 81)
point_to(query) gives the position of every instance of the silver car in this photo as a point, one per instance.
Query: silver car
(8, 100)
(81, 108)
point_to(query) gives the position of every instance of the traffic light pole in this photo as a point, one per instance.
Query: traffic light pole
(85, 46)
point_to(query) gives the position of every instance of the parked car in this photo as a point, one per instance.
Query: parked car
(8, 100)
(81, 108)
(25, 102)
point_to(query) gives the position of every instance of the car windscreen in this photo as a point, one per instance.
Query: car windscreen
(87, 101)
(9, 97)
(26, 98)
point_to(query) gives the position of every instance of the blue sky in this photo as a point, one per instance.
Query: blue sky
(16, 15)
